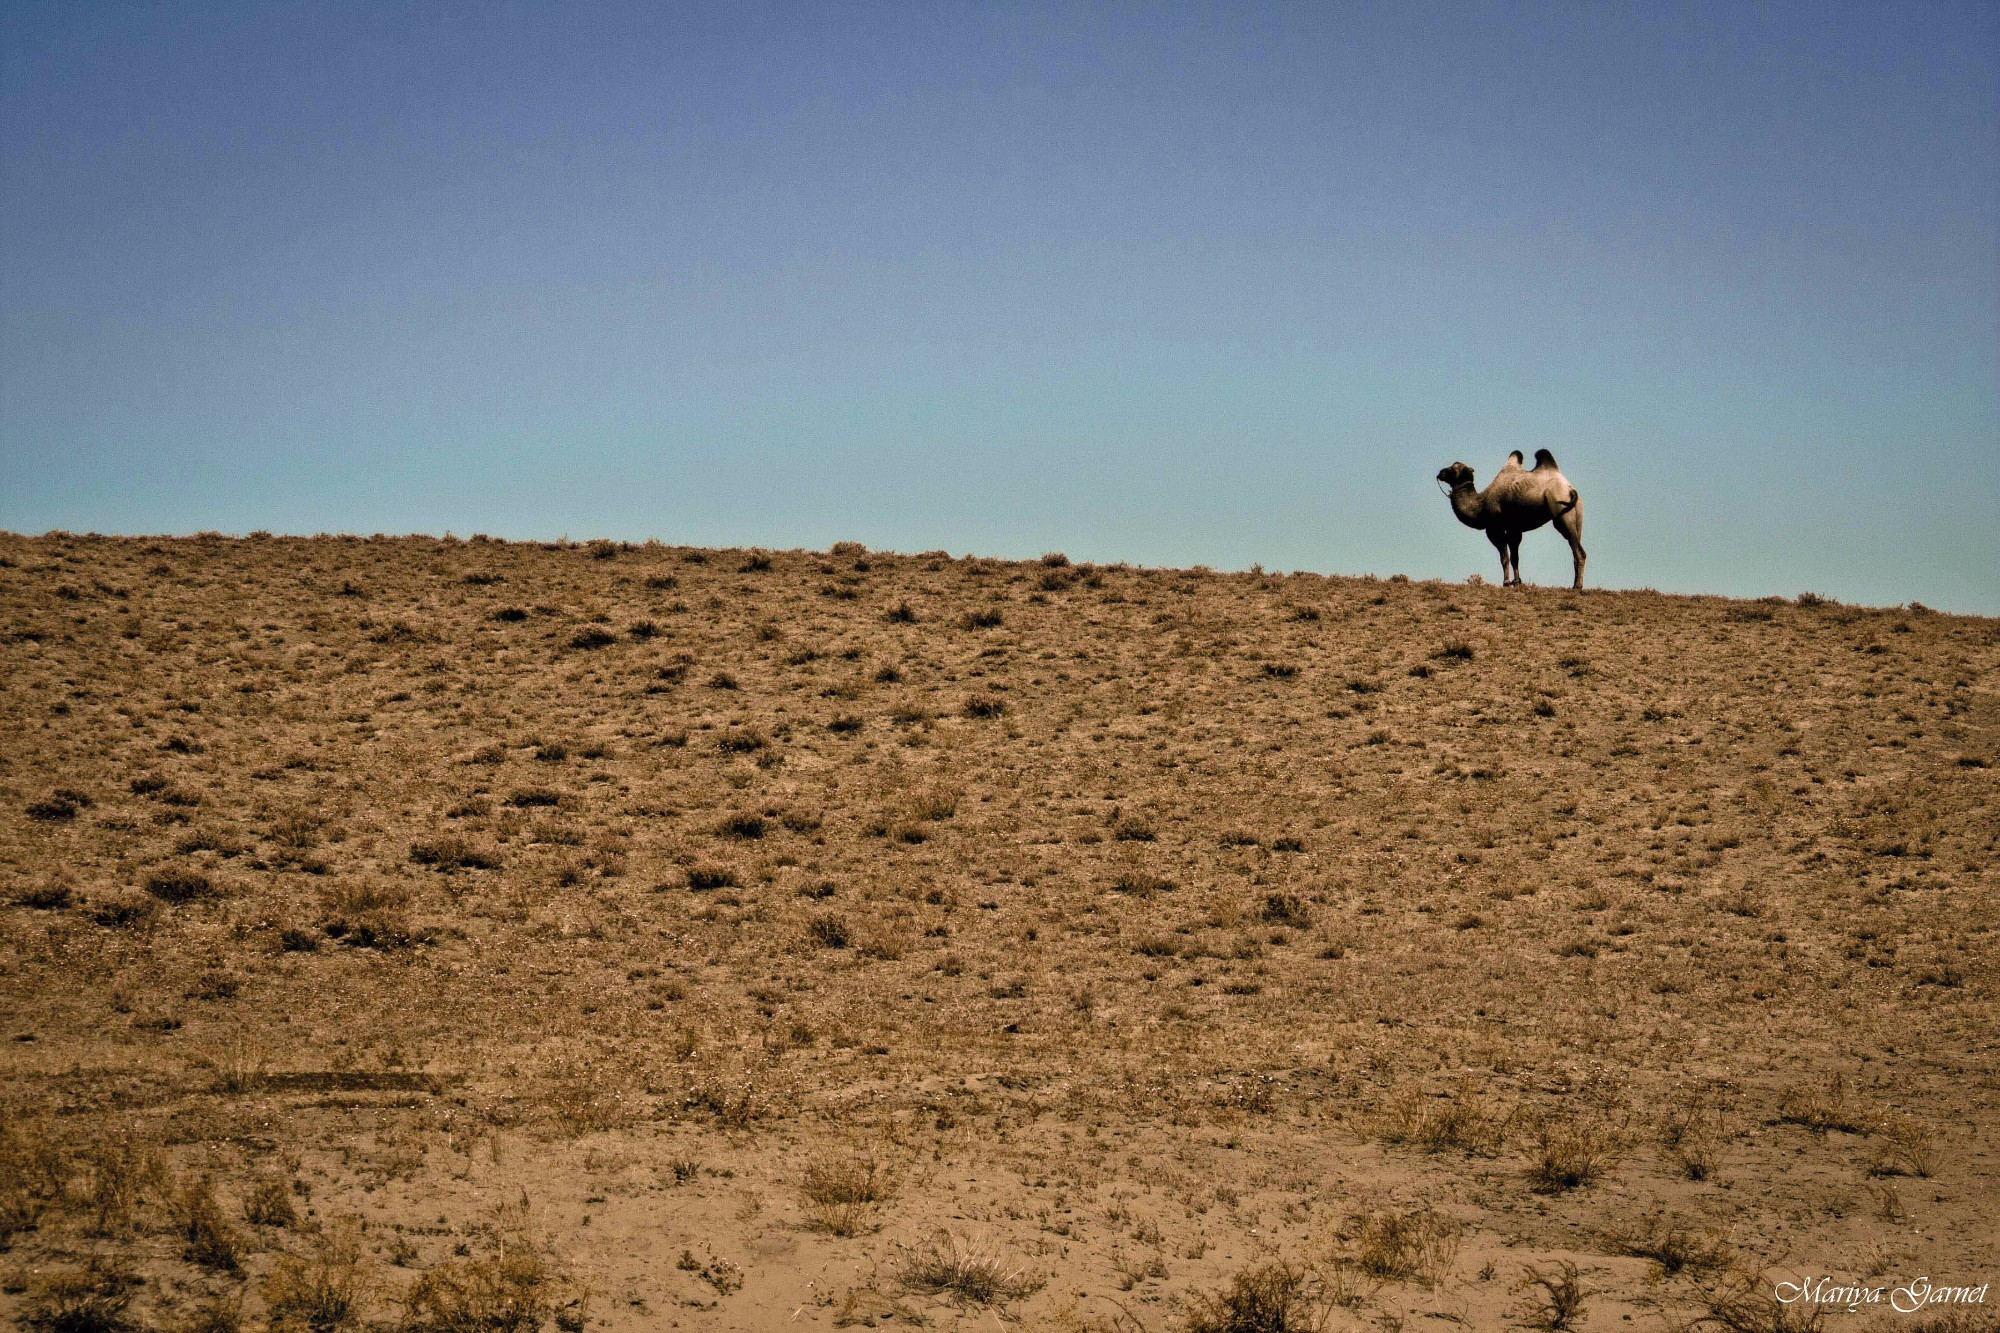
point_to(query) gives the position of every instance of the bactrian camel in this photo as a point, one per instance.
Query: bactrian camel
(1518, 500)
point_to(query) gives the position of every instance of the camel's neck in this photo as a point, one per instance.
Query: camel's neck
(1465, 503)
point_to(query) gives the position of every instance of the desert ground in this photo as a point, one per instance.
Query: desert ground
(461, 934)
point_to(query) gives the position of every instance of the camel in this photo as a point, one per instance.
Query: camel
(1518, 500)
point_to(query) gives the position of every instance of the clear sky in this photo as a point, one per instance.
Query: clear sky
(1209, 284)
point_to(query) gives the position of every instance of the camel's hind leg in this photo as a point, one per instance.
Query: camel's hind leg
(1499, 540)
(1570, 524)
(1514, 554)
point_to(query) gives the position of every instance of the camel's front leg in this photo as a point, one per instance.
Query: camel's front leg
(1499, 540)
(1514, 556)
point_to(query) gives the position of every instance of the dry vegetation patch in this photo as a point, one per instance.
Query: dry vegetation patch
(846, 936)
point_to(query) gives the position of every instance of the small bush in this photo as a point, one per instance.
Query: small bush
(206, 1235)
(901, 614)
(748, 827)
(322, 1291)
(703, 878)
(643, 629)
(829, 932)
(529, 798)
(846, 723)
(510, 614)
(513, 1292)
(1141, 885)
(52, 896)
(269, 1204)
(592, 637)
(79, 1300)
(933, 804)
(448, 854)
(177, 886)
(59, 806)
(747, 741)
(1454, 652)
(982, 706)
(987, 619)
(1286, 909)
(124, 912)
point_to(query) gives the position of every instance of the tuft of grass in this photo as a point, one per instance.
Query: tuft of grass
(1673, 1245)
(1741, 1300)
(966, 1271)
(51, 896)
(841, 1189)
(451, 853)
(207, 1238)
(59, 806)
(829, 931)
(1276, 1297)
(512, 1292)
(90, 1299)
(932, 804)
(1823, 1106)
(126, 912)
(984, 706)
(321, 1291)
(592, 637)
(988, 618)
(1286, 909)
(1553, 1301)
(746, 826)
(1462, 1122)
(703, 878)
(180, 886)
(1903, 1148)
(1571, 1152)
(1398, 1244)
(269, 1204)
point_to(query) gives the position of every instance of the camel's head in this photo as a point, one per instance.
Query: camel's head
(1455, 476)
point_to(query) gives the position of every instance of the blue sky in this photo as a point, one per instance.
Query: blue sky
(1220, 284)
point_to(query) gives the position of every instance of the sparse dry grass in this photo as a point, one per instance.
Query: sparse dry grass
(1155, 913)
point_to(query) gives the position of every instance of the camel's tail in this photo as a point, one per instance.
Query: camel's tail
(1570, 503)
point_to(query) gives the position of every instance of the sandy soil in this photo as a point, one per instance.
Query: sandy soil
(461, 935)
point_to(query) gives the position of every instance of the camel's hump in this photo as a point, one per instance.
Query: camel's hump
(1543, 458)
(1515, 458)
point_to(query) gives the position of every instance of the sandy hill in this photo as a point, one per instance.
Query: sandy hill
(475, 935)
